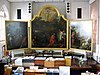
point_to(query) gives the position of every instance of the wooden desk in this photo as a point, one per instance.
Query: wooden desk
(77, 70)
(34, 72)
(49, 64)
(39, 62)
(88, 65)
(74, 67)
(29, 73)
(98, 67)
(58, 63)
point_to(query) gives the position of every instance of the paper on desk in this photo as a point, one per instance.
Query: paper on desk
(64, 70)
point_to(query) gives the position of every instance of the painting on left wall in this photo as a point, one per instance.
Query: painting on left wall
(16, 34)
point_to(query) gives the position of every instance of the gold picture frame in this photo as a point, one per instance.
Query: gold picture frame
(49, 30)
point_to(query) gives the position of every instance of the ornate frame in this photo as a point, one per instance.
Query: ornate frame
(49, 30)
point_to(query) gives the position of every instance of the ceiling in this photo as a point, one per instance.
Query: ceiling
(37, 0)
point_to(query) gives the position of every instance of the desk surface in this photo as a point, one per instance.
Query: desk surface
(74, 67)
(35, 71)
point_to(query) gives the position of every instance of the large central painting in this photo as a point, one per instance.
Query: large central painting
(49, 29)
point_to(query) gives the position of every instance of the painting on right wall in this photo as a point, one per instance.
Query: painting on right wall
(94, 15)
(81, 35)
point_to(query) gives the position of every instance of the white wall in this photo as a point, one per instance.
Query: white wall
(99, 8)
(99, 22)
(96, 54)
(99, 34)
(91, 1)
(84, 4)
(24, 11)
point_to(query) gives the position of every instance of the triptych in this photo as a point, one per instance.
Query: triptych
(49, 30)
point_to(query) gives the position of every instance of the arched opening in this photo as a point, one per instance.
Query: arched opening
(6, 12)
(4, 15)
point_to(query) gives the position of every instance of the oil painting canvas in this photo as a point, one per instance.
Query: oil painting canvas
(16, 34)
(49, 30)
(81, 35)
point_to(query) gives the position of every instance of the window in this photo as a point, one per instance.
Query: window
(18, 13)
(2, 26)
(79, 13)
